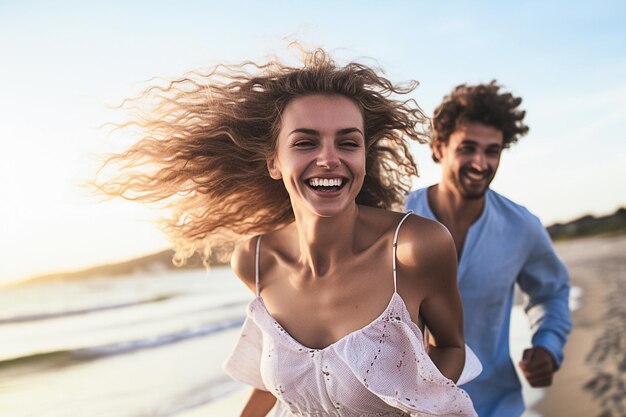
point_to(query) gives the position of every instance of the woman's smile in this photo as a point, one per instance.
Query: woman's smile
(327, 187)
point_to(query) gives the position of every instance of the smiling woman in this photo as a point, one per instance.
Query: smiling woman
(208, 136)
(311, 159)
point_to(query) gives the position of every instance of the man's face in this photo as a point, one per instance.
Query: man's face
(469, 159)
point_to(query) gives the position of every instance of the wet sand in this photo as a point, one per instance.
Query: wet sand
(591, 382)
(229, 406)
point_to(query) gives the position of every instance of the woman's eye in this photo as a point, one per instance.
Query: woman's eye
(303, 143)
(350, 144)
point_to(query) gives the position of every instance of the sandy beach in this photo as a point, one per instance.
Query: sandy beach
(591, 382)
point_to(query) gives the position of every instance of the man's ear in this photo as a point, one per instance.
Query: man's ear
(273, 169)
(437, 148)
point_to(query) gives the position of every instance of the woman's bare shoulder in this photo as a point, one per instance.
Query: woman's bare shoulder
(242, 262)
(425, 245)
(379, 221)
(243, 259)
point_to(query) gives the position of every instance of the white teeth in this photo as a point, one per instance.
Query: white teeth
(325, 182)
(475, 176)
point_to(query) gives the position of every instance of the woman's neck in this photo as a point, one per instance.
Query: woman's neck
(325, 241)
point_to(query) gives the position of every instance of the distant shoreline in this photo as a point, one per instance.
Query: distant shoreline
(585, 226)
(588, 225)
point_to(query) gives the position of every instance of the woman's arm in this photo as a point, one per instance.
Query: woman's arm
(243, 264)
(429, 264)
(259, 404)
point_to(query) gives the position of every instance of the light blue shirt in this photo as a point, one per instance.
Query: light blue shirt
(506, 245)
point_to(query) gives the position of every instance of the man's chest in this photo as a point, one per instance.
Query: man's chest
(491, 265)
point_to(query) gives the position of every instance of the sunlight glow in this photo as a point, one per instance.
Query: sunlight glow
(61, 63)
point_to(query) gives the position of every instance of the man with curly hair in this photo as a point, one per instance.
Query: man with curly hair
(499, 244)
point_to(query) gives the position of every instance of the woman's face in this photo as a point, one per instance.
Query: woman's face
(320, 153)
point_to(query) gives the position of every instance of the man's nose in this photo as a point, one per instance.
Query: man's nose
(479, 161)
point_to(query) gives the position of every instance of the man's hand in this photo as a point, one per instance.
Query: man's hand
(538, 366)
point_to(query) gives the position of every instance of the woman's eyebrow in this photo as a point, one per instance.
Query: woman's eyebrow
(306, 131)
(349, 130)
(314, 132)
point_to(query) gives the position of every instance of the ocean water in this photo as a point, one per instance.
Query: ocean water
(118, 346)
(130, 346)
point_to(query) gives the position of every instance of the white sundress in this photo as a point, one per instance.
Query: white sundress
(379, 370)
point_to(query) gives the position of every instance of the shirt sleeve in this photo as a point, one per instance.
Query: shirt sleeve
(244, 362)
(545, 281)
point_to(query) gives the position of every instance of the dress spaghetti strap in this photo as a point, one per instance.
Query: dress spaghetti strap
(395, 250)
(257, 263)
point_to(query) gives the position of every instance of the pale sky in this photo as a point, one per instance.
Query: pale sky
(60, 61)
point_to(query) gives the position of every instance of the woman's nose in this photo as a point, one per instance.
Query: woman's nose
(328, 157)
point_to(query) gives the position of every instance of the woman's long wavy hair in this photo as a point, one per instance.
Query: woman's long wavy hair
(207, 138)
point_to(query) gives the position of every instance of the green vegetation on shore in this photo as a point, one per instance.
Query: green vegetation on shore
(589, 226)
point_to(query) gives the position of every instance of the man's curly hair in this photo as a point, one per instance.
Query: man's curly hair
(482, 103)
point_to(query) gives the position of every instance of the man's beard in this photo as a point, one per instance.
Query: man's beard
(473, 193)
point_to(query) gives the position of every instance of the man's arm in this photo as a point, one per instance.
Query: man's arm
(545, 281)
